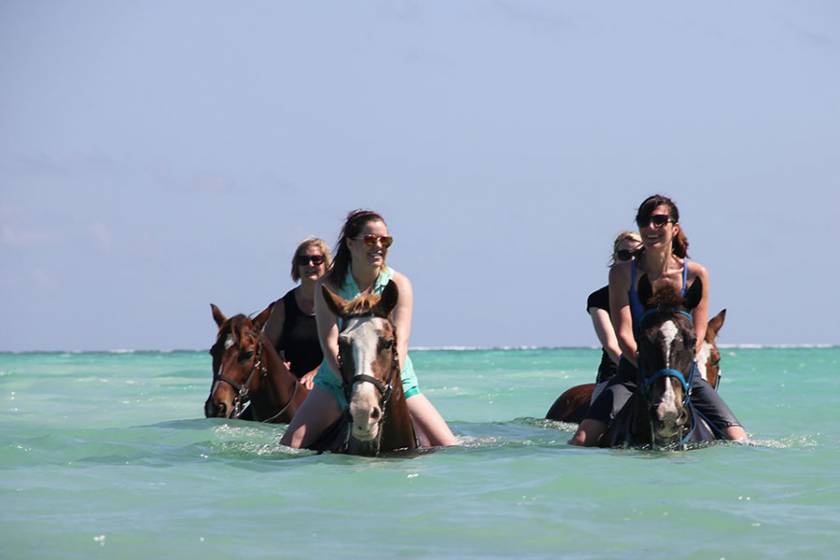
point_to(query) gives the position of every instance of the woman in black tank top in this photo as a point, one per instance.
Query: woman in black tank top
(291, 327)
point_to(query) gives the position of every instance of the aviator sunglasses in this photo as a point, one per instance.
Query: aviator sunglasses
(658, 220)
(314, 260)
(371, 239)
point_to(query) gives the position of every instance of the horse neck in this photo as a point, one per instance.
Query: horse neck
(278, 387)
(397, 427)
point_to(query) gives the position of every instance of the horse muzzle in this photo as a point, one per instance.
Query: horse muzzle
(214, 409)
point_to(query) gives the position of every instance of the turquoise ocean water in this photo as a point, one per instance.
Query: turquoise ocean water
(107, 455)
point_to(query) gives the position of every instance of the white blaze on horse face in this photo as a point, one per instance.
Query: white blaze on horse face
(229, 341)
(703, 359)
(668, 408)
(364, 400)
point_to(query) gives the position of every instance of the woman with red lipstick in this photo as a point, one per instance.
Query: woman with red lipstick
(291, 326)
(359, 268)
(663, 261)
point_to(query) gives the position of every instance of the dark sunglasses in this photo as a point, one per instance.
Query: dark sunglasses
(371, 239)
(658, 220)
(626, 254)
(304, 260)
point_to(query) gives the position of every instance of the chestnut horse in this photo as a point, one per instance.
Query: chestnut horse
(377, 419)
(247, 369)
(660, 413)
(573, 404)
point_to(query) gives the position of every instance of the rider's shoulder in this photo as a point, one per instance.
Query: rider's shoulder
(696, 269)
(401, 280)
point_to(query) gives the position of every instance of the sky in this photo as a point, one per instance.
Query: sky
(159, 156)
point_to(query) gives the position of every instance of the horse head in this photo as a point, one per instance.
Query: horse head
(238, 365)
(708, 358)
(666, 364)
(367, 351)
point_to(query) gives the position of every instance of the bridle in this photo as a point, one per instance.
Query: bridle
(685, 380)
(242, 393)
(385, 388)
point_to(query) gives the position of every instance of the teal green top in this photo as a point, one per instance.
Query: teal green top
(329, 381)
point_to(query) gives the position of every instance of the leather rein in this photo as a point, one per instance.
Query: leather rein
(241, 392)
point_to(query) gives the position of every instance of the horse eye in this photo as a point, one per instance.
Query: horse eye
(246, 355)
(386, 344)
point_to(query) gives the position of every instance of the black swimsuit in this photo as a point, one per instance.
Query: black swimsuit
(299, 340)
(600, 299)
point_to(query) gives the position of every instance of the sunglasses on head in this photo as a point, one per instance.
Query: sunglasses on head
(304, 260)
(658, 220)
(371, 239)
(626, 254)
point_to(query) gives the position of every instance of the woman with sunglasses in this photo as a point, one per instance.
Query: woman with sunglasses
(663, 261)
(360, 268)
(291, 326)
(625, 247)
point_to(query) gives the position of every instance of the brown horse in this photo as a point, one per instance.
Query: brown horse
(660, 412)
(377, 419)
(247, 369)
(573, 404)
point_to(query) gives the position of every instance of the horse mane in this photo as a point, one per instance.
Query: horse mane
(361, 305)
(666, 298)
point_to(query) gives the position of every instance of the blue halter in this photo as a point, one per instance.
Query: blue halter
(671, 372)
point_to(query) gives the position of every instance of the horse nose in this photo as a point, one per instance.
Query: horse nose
(213, 409)
(375, 413)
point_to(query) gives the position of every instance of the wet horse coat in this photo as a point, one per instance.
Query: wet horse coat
(573, 404)
(247, 369)
(377, 418)
(660, 412)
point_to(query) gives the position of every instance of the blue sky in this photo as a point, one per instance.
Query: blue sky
(155, 157)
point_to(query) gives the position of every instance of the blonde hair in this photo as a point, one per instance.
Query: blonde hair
(624, 236)
(305, 244)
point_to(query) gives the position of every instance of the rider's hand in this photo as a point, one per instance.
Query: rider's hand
(308, 380)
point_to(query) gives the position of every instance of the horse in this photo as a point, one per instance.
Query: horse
(573, 404)
(377, 418)
(247, 369)
(660, 413)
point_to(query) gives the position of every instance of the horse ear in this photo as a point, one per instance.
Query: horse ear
(389, 298)
(218, 316)
(336, 303)
(263, 316)
(715, 323)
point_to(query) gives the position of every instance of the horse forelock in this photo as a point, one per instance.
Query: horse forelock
(361, 305)
(666, 298)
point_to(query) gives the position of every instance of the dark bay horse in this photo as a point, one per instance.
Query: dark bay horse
(247, 369)
(572, 405)
(660, 413)
(377, 419)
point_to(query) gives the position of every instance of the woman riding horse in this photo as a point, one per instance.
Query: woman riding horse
(662, 262)
(291, 326)
(359, 268)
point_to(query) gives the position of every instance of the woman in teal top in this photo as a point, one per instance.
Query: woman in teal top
(359, 268)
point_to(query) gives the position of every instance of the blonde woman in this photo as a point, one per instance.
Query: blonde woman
(291, 327)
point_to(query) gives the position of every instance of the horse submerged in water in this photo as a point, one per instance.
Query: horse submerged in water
(660, 414)
(377, 419)
(572, 405)
(247, 370)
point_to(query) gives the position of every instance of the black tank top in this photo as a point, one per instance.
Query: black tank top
(299, 339)
(601, 299)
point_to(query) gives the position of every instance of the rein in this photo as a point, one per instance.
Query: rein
(242, 396)
(385, 388)
(685, 382)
